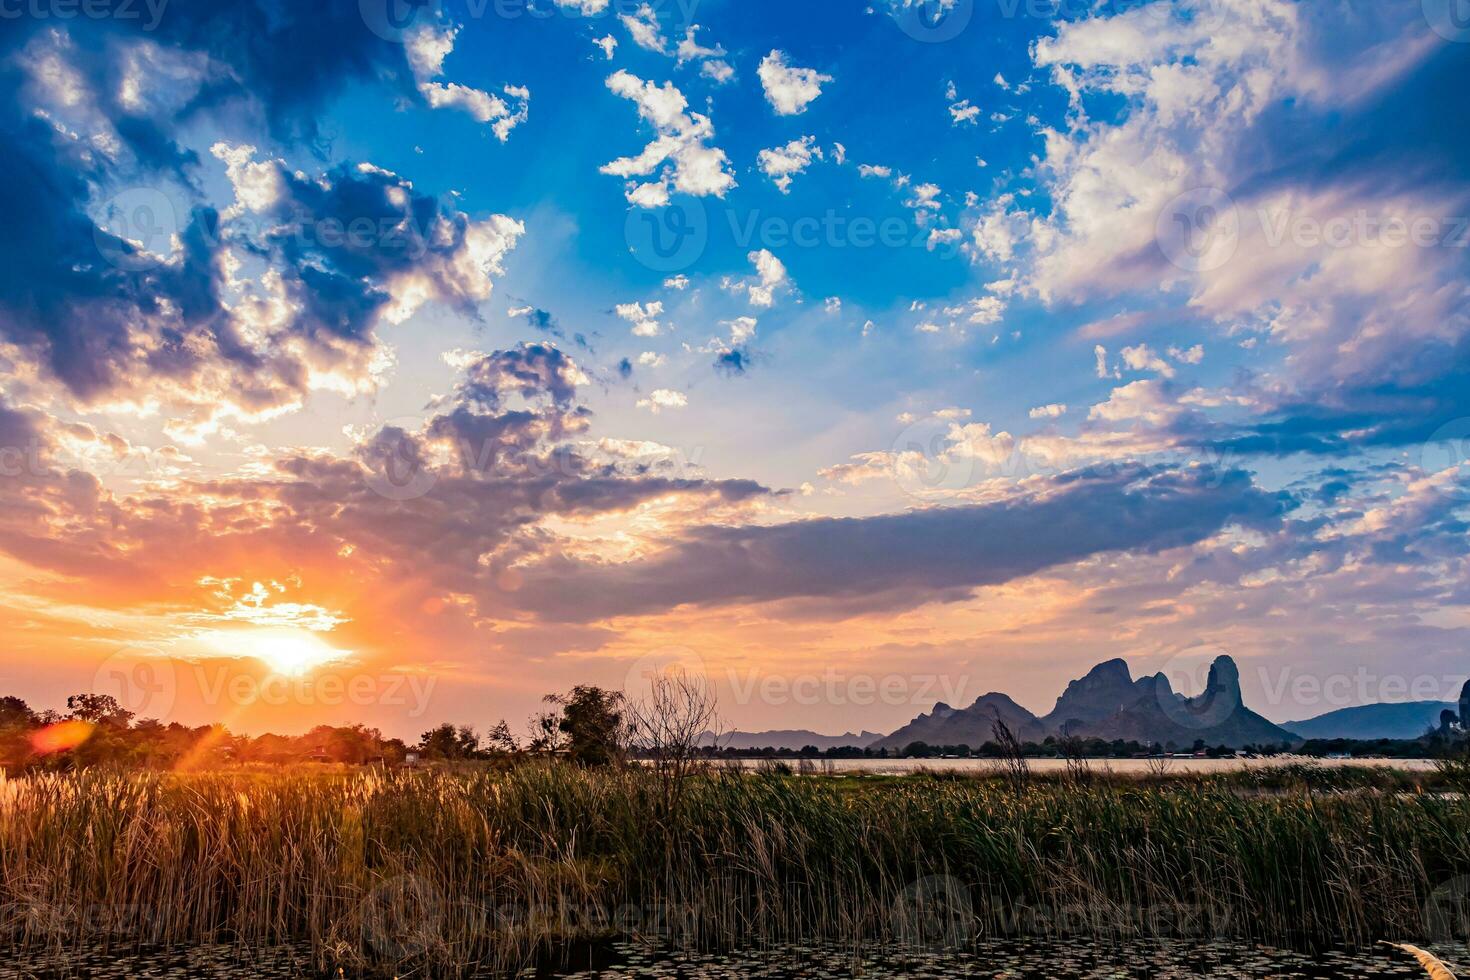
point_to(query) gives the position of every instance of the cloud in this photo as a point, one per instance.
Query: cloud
(789, 90)
(770, 277)
(1246, 102)
(643, 27)
(782, 163)
(643, 317)
(427, 48)
(663, 398)
(679, 157)
(916, 555)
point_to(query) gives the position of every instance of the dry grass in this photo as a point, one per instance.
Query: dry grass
(388, 872)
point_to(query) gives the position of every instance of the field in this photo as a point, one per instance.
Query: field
(437, 872)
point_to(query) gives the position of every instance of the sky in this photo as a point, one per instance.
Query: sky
(396, 363)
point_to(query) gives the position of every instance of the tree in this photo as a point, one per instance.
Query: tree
(99, 709)
(500, 741)
(592, 721)
(667, 726)
(450, 743)
(15, 713)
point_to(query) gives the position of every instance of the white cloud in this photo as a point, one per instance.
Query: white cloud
(1054, 411)
(643, 317)
(770, 276)
(782, 163)
(663, 398)
(833, 304)
(680, 282)
(871, 170)
(588, 8)
(944, 236)
(649, 359)
(643, 27)
(679, 158)
(1192, 355)
(426, 50)
(1143, 358)
(691, 50)
(963, 112)
(789, 90)
(608, 45)
(717, 71)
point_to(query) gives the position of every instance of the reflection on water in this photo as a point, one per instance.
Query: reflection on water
(1174, 766)
(1029, 959)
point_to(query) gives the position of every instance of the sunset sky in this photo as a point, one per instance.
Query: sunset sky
(364, 361)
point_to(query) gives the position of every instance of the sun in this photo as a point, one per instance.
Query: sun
(286, 651)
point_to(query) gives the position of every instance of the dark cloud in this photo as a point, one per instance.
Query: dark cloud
(735, 361)
(922, 552)
(94, 168)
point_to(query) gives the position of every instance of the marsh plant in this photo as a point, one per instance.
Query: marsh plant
(438, 870)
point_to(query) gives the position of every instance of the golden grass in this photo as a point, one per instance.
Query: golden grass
(435, 870)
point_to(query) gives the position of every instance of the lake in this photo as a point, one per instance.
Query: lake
(1010, 959)
(1137, 766)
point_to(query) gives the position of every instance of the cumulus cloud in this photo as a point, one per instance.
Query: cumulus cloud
(1228, 111)
(769, 279)
(789, 90)
(663, 398)
(782, 163)
(643, 317)
(643, 27)
(427, 48)
(680, 158)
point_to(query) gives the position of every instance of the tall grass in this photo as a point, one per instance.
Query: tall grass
(432, 871)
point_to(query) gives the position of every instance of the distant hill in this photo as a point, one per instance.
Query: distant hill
(1408, 719)
(794, 739)
(1108, 703)
(972, 726)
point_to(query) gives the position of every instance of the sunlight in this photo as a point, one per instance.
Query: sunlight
(289, 652)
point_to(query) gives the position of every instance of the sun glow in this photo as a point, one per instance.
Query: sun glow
(289, 652)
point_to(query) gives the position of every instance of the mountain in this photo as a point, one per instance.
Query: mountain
(794, 739)
(1408, 719)
(972, 726)
(1108, 703)
(1105, 690)
(1153, 712)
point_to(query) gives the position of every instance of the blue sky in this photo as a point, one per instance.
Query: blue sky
(977, 340)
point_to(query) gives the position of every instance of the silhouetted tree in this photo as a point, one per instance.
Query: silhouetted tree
(592, 721)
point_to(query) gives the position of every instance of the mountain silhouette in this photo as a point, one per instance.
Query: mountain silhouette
(1108, 703)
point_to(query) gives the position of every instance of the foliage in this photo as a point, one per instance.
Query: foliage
(434, 872)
